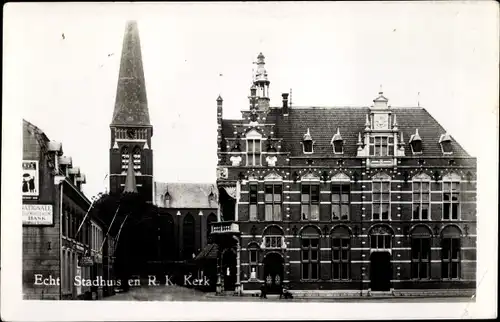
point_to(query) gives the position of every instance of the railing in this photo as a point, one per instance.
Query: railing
(225, 227)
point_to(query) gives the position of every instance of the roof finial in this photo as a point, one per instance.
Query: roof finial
(418, 99)
(290, 101)
(380, 91)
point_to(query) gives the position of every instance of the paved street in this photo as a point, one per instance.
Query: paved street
(178, 293)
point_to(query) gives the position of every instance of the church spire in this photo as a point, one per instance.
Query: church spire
(130, 185)
(131, 105)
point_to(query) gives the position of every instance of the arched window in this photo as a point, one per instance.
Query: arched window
(273, 237)
(309, 241)
(421, 253)
(210, 219)
(450, 252)
(380, 238)
(341, 259)
(254, 142)
(169, 244)
(188, 236)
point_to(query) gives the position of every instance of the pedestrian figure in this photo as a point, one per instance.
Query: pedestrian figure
(263, 291)
(25, 185)
(32, 184)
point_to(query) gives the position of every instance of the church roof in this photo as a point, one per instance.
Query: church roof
(323, 123)
(186, 195)
(131, 105)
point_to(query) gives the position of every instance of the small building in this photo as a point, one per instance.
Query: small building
(59, 248)
(342, 199)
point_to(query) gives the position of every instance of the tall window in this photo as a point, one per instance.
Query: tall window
(310, 201)
(381, 145)
(421, 200)
(253, 151)
(451, 198)
(188, 236)
(273, 202)
(381, 197)
(450, 253)
(380, 238)
(137, 159)
(420, 253)
(341, 243)
(340, 201)
(253, 259)
(253, 201)
(310, 254)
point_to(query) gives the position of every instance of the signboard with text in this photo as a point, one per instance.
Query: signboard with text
(38, 215)
(30, 179)
(85, 261)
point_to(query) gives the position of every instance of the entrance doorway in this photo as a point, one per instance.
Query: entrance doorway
(380, 271)
(273, 272)
(229, 269)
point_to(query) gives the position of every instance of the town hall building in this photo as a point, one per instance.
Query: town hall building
(366, 200)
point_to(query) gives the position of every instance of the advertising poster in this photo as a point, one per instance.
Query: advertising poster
(30, 180)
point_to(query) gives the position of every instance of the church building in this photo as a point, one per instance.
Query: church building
(361, 200)
(174, 229)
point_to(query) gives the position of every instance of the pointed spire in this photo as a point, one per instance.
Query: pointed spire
(130, 185)
(395, 123)
(367, 122)
(131, 105)
(402, 139)
(307, 136)
(337, 136)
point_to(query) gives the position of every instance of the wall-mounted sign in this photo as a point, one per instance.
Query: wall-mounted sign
(85, 261)
(30, 180)
(37, 215)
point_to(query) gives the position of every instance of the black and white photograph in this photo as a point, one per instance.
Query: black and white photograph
(296, 160)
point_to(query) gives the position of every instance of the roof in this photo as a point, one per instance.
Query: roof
(131, 105)
(186, 195)
(323, 122)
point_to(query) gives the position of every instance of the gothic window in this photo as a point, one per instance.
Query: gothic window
(137, 159)
(380, 238)
(381, 146)
(188, 236)
(420, 253)
(253, 201)
(421, 197)
(341, 262)
(340, 201)
(273, 202)
(309, 241)
(381, 198)
(451, 197)
(310, 201)
(450, 253)
(125, 158)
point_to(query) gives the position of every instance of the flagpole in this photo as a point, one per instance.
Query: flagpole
(109, 228)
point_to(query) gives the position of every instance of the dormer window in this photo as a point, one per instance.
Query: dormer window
(338, 143)
(307, 142)
(416, 143)
(445, 142)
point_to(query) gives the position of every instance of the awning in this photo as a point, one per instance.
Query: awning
(209, 252)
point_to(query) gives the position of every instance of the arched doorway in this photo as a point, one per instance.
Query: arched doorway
(273, 272)
(229, 269)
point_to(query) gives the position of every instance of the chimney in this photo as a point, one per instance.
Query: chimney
(285, 103)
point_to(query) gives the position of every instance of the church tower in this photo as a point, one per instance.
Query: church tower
(131, 130)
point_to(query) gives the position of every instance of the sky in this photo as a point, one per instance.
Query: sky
(329, 54)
